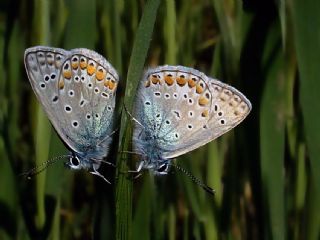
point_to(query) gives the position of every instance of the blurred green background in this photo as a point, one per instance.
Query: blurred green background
(266, 172)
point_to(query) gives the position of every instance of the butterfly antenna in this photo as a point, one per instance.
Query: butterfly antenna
(43, 166)
(195, 180)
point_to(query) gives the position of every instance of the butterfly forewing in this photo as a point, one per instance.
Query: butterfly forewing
(78, 96)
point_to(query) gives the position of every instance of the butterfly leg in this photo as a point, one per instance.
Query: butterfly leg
(139, 174)
(95, 172)
(132, 117)
(103, 161)
(113, 132)
(137, 171)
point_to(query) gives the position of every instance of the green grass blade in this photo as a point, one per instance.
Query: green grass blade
(58, 21)
(55, 229)
(85, 35)
(117, 35)
(142, 219)
(229, 19)
(41, 36)
(283, 20)
(136, 64)
(8, 197)
(112, 32)
(272, 133)
(170, 32)
(306, 18)
(172, 215)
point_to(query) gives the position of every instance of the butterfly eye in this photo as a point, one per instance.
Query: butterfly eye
(74, 161)
(163, 168)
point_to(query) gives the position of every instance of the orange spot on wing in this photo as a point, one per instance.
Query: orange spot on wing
(67, 74)
(106, 83)
(155, 79)
(100, 74)
(75, 65)
(203, 101)
(112, 84)
(61, 84)
(199, 89)
(192, 82)
(91, 69)
(205, 113)
(169, 80)
(181, 81)
(83, 64)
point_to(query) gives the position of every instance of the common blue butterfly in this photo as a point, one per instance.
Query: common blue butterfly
(179, 109)
(77, 91)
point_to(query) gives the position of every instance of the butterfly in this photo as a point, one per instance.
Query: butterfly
(77, 90)
(178, 109)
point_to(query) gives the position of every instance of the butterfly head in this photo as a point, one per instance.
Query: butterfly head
(158, 166)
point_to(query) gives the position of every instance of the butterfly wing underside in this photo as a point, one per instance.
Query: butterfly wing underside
(184, 109)
(77, 91)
